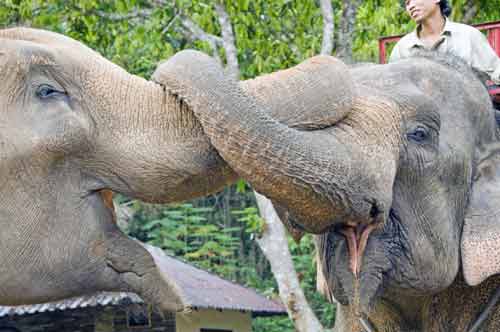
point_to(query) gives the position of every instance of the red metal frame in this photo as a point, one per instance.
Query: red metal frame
(492, 28)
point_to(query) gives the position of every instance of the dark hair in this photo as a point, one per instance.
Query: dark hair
(443, 5)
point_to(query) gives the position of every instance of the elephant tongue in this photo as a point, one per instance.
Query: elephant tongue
(357, 237)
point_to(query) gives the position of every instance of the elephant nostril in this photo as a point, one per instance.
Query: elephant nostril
(375, 211)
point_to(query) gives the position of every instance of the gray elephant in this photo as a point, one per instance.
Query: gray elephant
(71, 125)
(395, 166)
(400, 177)
(74, 126)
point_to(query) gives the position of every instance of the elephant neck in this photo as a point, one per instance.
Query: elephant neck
(404, 314)
(459, 306)
(152, 139)
(455, 309)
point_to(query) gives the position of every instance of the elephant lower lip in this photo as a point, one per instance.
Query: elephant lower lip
(357, 238)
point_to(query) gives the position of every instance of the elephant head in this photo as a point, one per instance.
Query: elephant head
(73, 125)
(400, 181)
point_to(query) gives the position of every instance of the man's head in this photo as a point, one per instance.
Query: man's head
(420, 10)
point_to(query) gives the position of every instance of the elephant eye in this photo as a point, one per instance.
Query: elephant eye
(419, 134)
(46, 91)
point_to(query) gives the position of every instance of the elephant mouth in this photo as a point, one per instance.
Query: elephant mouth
(107, 199)
(356, 236)
(141, 268)
(360, 262)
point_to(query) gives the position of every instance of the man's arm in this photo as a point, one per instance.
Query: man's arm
(484, 58)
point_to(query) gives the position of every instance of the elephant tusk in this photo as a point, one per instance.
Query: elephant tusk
(486, 312)
(367, 325)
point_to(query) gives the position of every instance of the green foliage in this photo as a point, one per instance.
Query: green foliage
(270, 35)
(488, 10)
(184, 231)
(198, 233)
(252, 220)
(273, 35)
(374, 20)
(303, 254)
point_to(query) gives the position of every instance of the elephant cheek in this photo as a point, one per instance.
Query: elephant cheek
(68, 134)
(336, 269)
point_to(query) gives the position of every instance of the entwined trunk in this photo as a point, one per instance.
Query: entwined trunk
(319, 175)
(151, 141)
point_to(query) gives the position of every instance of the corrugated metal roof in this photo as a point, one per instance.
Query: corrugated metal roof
(200, 289)
(101, 299)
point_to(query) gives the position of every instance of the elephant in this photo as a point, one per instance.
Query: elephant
(394, 167)
(399, 178)
(68, 116)
(73, 128)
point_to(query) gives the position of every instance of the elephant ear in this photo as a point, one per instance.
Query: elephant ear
(481, 232)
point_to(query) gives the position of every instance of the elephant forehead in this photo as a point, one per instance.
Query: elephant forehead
(18, 55)
(41, 37)
(24, 62)
(60, 44)
(422, 87)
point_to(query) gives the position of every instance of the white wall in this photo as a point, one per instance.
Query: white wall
(234, 321)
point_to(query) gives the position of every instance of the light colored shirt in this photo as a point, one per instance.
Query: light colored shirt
(460, 39)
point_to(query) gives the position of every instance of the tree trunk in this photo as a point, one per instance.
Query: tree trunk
(274, 245)
(232, 67)
(346, 31)
(328, 27)
(469, 10)
(193, 31)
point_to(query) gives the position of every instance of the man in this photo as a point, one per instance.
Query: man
(435, 32)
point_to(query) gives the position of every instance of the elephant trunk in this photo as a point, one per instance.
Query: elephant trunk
(323, 177)
(296, 97)
(145, 142)
(149, 143)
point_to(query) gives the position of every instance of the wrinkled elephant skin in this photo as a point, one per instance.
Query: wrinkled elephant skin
(403, 183)
(395, 167)
(73, 125)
